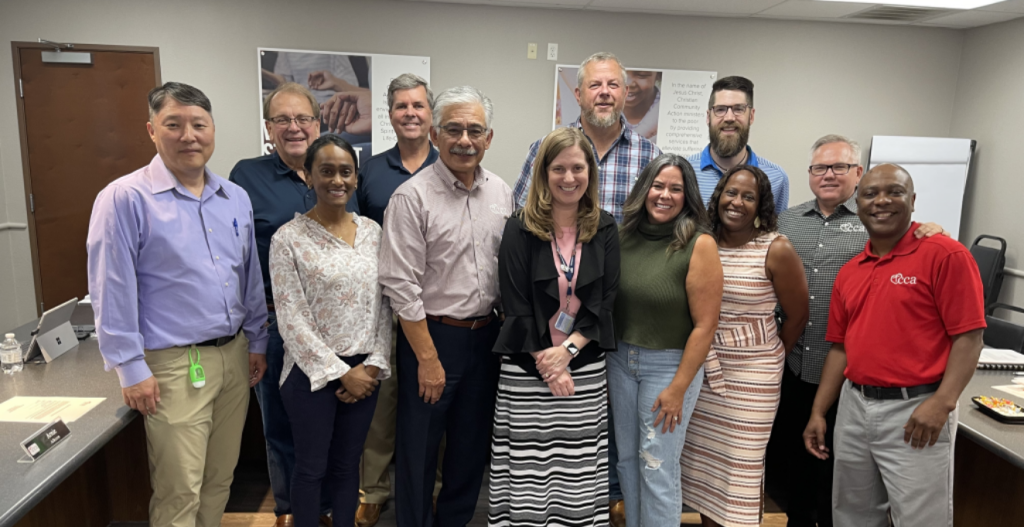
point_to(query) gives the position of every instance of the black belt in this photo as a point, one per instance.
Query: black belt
(218, 342)
(878, 392)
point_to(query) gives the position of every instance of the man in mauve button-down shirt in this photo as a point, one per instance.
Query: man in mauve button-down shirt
(175, 281)
(438, 266)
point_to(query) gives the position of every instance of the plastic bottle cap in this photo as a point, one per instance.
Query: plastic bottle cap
(9, 336)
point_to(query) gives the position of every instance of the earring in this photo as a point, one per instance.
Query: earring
(757, 223)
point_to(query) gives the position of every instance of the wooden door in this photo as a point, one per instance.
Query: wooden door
(82, 126)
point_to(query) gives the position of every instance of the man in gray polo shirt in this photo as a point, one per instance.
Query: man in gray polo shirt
(826, 233)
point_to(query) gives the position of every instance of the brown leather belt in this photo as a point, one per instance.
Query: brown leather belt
(270, 307)
(471, 323)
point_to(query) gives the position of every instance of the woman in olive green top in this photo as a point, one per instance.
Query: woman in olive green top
(666, 314)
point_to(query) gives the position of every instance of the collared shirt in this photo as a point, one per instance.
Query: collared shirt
(439, 254)
(380, 176)
(708, 176)
(277, 193)
(169, 269)
(328, 301)
(617, 170)
(824, 244)
(896, 314)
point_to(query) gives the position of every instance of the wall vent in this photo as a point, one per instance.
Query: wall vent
(889, 13)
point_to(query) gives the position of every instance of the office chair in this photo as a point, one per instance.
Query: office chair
(991, 262)
(1004, 334)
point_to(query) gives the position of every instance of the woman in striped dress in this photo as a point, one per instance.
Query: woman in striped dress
(558, 267)
(723, 459)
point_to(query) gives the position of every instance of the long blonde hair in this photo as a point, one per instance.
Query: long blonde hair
(537, 212)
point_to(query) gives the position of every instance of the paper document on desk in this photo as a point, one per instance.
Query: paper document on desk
(1012, 389)
(46, 409)
(1000, 359)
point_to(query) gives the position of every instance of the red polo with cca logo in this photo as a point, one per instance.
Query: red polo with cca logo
(896, 314)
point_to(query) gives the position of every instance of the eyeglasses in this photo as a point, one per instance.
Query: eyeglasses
(838, 169)
(455, 131)
(722, 110)
(284, 122)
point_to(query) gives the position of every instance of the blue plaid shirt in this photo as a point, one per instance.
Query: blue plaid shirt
(708, 176)
(618, 170)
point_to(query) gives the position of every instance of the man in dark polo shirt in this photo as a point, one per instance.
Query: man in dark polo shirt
(276, 185)
(410, 102)
(826, 233)
(906, 320)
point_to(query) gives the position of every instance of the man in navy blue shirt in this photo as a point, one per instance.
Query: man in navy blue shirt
(410, 102)
(276, 184)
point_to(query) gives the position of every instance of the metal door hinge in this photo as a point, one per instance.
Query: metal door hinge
(21, 89)
(41, 308)
(31, 203)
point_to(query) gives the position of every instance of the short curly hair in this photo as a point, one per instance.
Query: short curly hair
(765, 200)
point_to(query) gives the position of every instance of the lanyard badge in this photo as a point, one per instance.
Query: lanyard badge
(565, 321)
(195, 370)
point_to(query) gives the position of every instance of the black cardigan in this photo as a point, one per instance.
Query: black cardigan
(529, 293)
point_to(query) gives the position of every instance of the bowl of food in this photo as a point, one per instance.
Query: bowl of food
(999, 408)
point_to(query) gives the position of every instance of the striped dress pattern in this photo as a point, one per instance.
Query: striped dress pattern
(549, 455)
(723, 459)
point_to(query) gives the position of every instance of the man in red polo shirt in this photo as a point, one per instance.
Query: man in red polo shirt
(905, 321)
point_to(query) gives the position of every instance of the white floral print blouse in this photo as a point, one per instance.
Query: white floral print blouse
(327, 299)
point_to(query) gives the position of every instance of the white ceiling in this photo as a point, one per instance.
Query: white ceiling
(777, 9)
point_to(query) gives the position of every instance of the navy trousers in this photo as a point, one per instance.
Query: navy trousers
(329, 437)
(465, 412)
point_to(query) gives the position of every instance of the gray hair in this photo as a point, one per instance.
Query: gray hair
(836, 138)
(461, 95)
(408, 81)
(600, 56)
(181, 92)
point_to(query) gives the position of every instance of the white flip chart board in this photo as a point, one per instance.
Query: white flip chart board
(939, 166)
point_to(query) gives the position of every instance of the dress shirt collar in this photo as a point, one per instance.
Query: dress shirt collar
(162, 180)
(479, 176)
(627, 133)
(707, 162)
(394, 158)
(850, 205)
(281, 167)
(907, 244)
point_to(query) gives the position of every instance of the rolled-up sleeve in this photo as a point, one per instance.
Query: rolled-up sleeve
(403, 257)
(380, 352)
(112, 246)
(254, 295)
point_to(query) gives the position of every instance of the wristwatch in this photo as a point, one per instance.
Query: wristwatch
(573, 350)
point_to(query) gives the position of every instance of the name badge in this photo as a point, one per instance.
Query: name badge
(44, 440)
(564, 322)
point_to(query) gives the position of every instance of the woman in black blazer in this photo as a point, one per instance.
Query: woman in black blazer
(558, 267)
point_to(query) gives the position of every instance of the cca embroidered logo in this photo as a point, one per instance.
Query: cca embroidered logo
(849, 227)
(899, 279)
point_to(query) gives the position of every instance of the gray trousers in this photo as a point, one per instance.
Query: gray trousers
(875, 470)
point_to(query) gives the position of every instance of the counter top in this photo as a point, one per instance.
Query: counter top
(78, 373)
(1004, 440)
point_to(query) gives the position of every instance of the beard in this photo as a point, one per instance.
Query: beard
(731, 146)
(600, 122)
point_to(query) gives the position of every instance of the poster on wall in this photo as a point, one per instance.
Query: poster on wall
(351, 89)
(666, 106)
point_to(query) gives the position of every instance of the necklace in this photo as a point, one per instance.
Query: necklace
(324, 223)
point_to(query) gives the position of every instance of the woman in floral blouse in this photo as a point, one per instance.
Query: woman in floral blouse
(336, 330)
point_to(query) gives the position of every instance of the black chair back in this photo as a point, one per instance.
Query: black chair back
(991, 262)
(1004, 335)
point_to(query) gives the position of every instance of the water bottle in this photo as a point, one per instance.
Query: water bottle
(11, 359)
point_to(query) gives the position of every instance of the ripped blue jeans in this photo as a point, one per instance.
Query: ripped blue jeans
(648, 464)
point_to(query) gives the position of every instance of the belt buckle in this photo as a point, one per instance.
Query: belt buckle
(862, 392)
(473, 327)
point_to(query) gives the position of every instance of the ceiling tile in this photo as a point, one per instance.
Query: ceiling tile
(710, 7)
(1010, 6)
(971, 19)
(814, 9)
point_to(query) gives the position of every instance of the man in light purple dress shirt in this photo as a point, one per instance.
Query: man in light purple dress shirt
(175, 281)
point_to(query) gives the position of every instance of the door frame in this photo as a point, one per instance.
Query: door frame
(16, 48)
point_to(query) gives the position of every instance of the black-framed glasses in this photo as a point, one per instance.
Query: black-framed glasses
(838, 169)
(737, 109)
(455, 131)
(283, 122)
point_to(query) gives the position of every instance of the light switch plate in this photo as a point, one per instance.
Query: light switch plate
(531, 50)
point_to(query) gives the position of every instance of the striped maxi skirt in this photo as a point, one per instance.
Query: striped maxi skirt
(549, 455)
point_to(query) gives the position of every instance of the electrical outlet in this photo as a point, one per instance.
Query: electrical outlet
(531, 50)
(552, 51)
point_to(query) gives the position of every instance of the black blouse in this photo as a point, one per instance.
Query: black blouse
(529, 293)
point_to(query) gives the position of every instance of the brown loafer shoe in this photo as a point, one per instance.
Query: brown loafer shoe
(285, 520)
(368, 514)
(617, 513)
(326, 521)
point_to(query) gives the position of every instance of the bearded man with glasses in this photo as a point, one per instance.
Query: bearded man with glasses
(729, 116)
(826, 232)
(276, 185)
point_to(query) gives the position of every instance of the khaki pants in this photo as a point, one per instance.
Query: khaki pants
(195, 436)
(374, 481)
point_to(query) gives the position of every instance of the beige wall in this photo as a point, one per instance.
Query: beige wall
(989, 107)
(812, 78)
